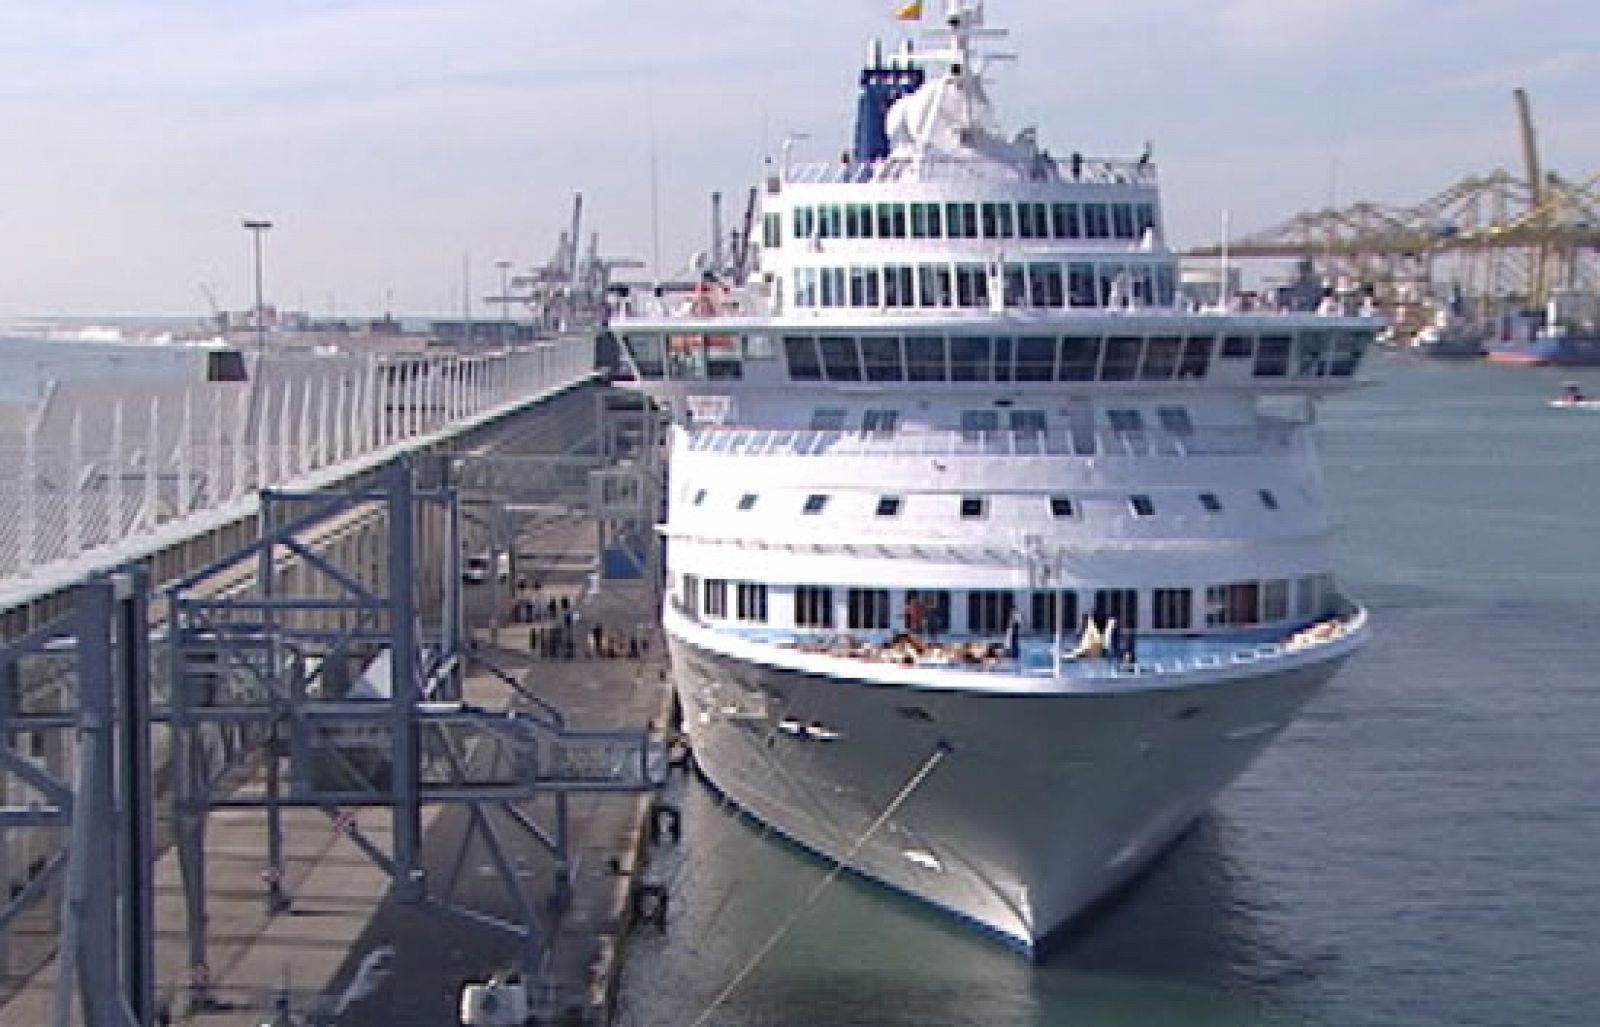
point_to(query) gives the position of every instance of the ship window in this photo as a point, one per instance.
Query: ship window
(805, 286)
(1002, 359)
(925, 360)
(1036, 358)
(975, 424)
(1175, 421)
(752, 602)
(1234, 604)
(1144, 219)
(832, 292)
(1080, 358)
(1122, 357)
(645, 352)
(1308, 596)
(898, 290)
(881, 355)
(973, 507)
(1064, 221)
(840, 360)
(969, 358)
(1196, 356)
(813, 606)
(858, 221)
(1044, 283)
(830, 221)
(716, 593)
(1033, 220)
(927, 611)
(1080, 285)
(972, 285)
(889, 506)
(815, 503)
(1274, 601)
(891, 221)
(997, 221)
(1125, 420)
(747, 501)
(880, 422)
(1210, 502)
(933, 285)
(1054, 611)
(961, 220)
(771, 231)
(1028, 422)
(926, 222)
(827, 419)
(1348, 348)
(1272, 356)
(1122, 221)
(1171, 609)
(867, 609)
(1166, 285)
(1161, 358)
(863, 286)
(989, 612)
(1061, 506)
(1311, 355)
(689, 595)
(1016, 276)
(1140, 284)
(1237, 346)
(805, 222)
(699, 496)
(1268, 500)
(1096, 221)
(1117, 604)
(801, 353)
(1142, 506)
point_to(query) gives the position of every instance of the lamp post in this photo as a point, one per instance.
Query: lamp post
(505, 300)
(257, 226)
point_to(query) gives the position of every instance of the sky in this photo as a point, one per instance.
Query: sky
(402, 147)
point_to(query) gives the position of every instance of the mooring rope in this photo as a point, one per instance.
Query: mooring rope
(933, 760)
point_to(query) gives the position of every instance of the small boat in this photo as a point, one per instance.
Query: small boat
(1572, 397)
(1448, 336)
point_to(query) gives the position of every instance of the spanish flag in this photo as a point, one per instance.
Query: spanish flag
(909, 11)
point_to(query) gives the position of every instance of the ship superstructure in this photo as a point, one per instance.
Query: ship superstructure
(989, 561)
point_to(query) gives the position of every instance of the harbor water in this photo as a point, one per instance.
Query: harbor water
(1419, 849)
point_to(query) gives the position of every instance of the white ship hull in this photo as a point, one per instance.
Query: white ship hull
(1039, 804)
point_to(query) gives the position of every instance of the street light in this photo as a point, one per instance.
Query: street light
(505, 300)
(257, 227)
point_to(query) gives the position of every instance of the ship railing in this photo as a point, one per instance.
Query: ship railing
(1201, 442)
(102, 469)
(1042, 168)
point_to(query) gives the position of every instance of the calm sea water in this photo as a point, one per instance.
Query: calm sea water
(1422, 848)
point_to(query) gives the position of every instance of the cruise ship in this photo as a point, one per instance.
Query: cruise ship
(989, 561)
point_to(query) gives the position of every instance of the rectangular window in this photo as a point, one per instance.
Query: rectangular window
(805, 286)
(1080, 358)
(1274, 601)
(805, 222)
(1171, 609)
(815, 503)
(863, 286)
(1238, 347)
(1036, 358)
(1016, 279)
(689, 595)
(1144, 219)
(891, 221)
(972, 285)
(771, 231)
(1175, 421)
(1161, 355)
(1196, 356)
(1311, 355)
(832, 292)
(969, 358)
(1061, 506)
(800, 351)
(925, 359)
(1096, 221)
(898, 290)
(830, 221)
(926, 222)
(1308, 596)
(1125, 420)
(1054, 612)
(827, 419)
(1210, 503)
(933, 285)
(751, 600)
(1272, 356)
(1064, 222)
(1045, 285)
(889, 506)
(1348, 348)
(1122, 358)
(1028, 422)
(1118, 604)
(1081, 285)
(978, 424)
(1235, 605)
(858, 221)
(997, 221)
(961, 220)
(927, 612)
(1268, 500)
(1002, 359)
(1142, 506)
(716, 604)
(867, 609)
(748, 501)
(840, 360)
(813, 607)
(646, 353)
(1122, 221)
(881, 357)
(879, 422)
(989, 613)
(973, 507)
